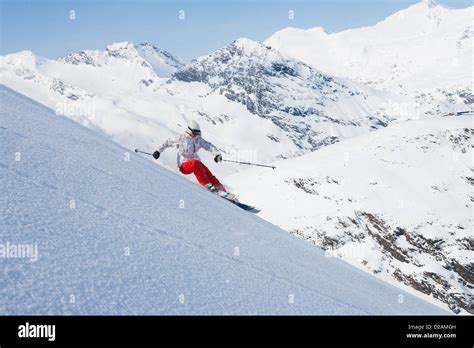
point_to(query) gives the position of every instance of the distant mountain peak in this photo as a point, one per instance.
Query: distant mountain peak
(26, 59)
(246, 43)
(242, 46)
(239, 57)
(120, 46)
(163, 62)
(125, 49)
(429, 3)
(145, 54)
(147, 44)
(426, 5)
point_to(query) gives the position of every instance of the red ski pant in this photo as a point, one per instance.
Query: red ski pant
(202, 173)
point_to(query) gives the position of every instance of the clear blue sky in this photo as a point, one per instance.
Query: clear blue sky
(44, 26)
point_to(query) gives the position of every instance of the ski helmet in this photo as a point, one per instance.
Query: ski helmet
(193, 128)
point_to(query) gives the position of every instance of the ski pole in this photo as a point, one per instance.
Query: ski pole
(146, 153)
(250, 164)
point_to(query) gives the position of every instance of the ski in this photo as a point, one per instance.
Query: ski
(227, 195)
(246, 207)
(233, 199)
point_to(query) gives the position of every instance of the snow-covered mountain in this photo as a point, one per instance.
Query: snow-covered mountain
(120, 235)
(162, 62)
(314, 109)
(395, 202)
(389, 191)
(121, 94)
(424, 52)
(252, 102)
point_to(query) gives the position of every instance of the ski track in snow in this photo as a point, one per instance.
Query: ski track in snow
(173, 251)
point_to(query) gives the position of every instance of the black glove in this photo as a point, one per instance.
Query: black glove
(218, 158)
(156, 154)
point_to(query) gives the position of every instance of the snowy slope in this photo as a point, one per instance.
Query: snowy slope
(424, 51)
(128, 237)
(396, 202)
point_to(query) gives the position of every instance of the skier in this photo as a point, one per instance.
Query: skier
(189, 162)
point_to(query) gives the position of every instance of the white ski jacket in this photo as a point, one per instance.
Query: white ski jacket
(188, 147)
